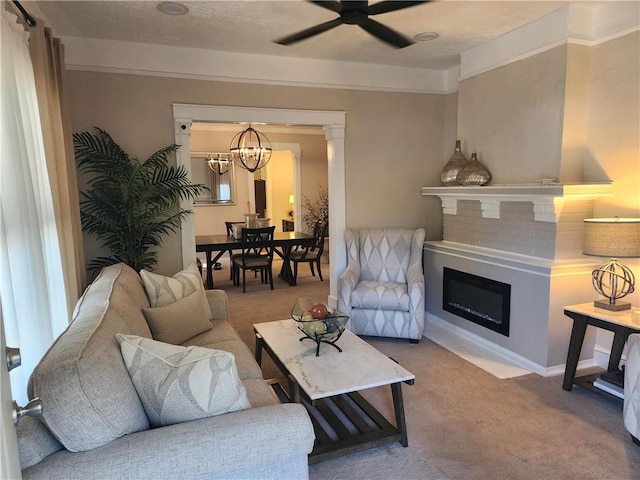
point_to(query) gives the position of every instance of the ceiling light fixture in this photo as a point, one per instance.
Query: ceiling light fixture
(218, 163)
(425, 36)
(250, 149)
(173, 8)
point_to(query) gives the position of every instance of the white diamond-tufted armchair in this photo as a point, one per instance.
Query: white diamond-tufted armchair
(382, 288)
(631, 410)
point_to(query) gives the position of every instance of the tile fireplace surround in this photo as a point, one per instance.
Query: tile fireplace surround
(530, 237)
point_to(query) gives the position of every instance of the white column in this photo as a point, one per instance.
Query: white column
(337, 211)
(183, 157)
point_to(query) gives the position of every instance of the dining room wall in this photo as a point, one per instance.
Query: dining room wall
(393, 141)
(209, 219)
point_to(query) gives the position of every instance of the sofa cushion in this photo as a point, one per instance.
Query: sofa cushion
(82, 380)
(259, 393)
(221, 331)
(179, 320)
(35, 442)
(245, 362)
(163, 291)
(178, 384)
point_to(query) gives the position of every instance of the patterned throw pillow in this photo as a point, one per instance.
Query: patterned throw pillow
(179, 321)
(162, 291)
(178, 384)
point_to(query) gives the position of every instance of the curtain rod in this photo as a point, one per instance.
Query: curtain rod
(31, 21)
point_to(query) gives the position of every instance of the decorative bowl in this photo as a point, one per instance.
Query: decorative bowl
(319, 322)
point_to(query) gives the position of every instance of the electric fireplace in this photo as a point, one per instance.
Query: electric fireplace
(480, 300)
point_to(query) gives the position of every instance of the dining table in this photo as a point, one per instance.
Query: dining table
(283, 243)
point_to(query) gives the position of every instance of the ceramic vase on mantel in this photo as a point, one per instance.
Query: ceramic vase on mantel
(452, 168)
(473, 173)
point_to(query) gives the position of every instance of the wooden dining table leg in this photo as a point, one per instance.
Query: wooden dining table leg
(209, 270)
(285, 271)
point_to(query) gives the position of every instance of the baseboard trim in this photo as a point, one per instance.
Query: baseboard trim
(509, 356)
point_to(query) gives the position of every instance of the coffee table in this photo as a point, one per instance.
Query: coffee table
(344, 422)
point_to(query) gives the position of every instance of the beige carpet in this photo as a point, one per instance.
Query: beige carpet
(463, 423)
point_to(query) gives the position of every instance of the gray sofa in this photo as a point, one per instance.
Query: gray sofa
(94, 425)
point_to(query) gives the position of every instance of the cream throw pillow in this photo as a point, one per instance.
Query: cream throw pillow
(178, 321)
(162, 291)
(178, 384)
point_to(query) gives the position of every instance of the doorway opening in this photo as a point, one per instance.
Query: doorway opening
(333, 125)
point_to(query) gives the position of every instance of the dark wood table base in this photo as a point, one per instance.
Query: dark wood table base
(346, 423)
(578, 331)
(343, 424)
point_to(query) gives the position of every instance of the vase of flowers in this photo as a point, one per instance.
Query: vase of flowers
(316, 210)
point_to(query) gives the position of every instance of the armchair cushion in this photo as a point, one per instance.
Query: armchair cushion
(384, 254)
(384, 295)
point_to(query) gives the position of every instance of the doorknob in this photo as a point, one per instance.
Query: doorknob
(14, 359)
(32, 409)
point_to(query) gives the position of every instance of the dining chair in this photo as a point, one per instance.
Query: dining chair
(229, 227)
(257, 255)
(311, 254)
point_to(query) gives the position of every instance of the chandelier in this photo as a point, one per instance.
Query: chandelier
(218, 163)
(250, 149)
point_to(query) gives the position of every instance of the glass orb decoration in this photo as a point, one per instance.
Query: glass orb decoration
(319, 322)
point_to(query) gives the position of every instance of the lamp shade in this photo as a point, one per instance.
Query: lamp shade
(612, 237)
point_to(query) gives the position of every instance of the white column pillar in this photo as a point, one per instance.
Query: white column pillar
(182, 128)
(337, 208)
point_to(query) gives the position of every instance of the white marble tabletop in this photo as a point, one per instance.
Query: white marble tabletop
(359, 366)
(627, 318)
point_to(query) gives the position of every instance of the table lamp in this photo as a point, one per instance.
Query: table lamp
(614, 238)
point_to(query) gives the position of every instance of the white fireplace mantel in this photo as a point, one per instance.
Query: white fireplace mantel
(547, 199)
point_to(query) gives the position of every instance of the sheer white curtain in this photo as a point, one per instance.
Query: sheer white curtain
(34, 306)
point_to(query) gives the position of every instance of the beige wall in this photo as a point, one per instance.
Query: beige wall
(572, 112)
(393, 144)
(209, 219)
(575, 113)
(512, 117)
(280, 184)
(613, 142)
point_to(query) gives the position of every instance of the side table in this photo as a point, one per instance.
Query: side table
(584, 314)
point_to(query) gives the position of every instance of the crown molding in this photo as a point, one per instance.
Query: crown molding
(235, 127)
(114, 56)
(579, 25)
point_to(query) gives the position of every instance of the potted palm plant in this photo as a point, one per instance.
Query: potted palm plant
(128, 204)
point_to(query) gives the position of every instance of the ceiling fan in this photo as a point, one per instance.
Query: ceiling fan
(354, 12)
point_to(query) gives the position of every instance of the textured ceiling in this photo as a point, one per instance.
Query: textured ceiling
(251, 27)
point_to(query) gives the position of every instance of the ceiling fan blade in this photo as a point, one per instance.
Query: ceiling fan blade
(309, 32)
(328, 4)
(385, 34)
(392, 6)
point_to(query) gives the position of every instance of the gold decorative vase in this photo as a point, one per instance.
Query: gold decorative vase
(452, 168)
(473, 173)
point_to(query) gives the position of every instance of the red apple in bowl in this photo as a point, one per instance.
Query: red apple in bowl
(319, 311)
